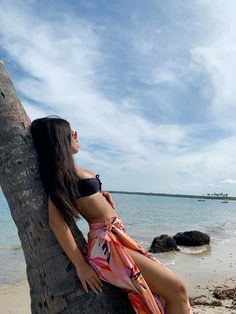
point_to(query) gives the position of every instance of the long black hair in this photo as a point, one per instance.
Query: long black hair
(52, 141)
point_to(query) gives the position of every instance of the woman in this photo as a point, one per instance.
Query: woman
(110, 254)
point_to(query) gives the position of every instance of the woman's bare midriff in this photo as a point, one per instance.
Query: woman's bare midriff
(95, 208)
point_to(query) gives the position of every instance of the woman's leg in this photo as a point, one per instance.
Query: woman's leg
(163, 282)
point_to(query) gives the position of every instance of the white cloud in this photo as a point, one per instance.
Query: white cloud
(231, 181)
(61, 61)
(34, 111)
(62, 76)
(216, 56)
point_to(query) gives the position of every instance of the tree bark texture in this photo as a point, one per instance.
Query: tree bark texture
(54, 284)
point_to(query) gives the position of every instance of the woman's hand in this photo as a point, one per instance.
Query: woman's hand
(88, 276)
(108, 198)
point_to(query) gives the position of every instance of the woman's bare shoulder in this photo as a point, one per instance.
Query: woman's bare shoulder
(84, 173)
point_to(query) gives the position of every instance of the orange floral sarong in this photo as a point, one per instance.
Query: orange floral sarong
(105, 252)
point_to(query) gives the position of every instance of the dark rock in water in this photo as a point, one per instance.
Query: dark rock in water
(191, 238)
(163, 243)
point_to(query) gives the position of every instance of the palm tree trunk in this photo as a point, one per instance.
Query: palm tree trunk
(54, 284)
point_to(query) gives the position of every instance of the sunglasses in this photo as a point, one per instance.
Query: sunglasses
(74, 134)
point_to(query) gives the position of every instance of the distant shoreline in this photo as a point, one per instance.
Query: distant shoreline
(201, 197)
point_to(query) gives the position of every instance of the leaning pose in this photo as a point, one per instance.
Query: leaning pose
(110, 254)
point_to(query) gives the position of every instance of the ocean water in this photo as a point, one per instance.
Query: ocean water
(144, 218)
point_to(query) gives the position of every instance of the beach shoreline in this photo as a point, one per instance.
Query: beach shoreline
(15, 298)
(201, 272)
(201, 268)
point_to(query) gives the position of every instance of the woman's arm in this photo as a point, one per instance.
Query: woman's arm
(66, 240)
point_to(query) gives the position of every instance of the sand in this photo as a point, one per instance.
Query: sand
(15, 299)
(202, 272)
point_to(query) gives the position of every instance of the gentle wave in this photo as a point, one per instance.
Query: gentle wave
(217, 240)
(194, 249)
(12, 247)
(223, 230)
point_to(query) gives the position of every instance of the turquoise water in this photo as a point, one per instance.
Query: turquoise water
(143, 216)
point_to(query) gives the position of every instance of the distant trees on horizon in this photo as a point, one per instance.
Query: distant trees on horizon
(218, 194)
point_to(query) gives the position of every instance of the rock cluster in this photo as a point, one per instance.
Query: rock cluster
(166, 243)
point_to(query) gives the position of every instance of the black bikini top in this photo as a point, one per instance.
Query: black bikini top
(89, 186)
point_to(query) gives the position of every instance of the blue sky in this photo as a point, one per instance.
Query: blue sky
(148, 85)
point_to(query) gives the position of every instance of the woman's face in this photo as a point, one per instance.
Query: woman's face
(74, 142)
